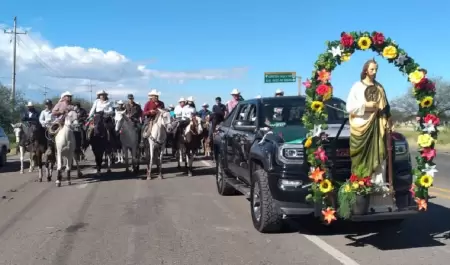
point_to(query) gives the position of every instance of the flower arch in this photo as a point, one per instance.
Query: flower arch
(319, 90)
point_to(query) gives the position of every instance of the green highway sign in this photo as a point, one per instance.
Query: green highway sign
(279, 77)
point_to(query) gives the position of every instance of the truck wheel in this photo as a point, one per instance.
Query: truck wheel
(222, 186)
(266, 215)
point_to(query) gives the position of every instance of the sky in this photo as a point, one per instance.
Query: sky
(205, 48)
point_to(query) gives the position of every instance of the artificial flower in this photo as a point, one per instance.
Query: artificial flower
(308, 142)
(378, 38)
(426, 102)
(345, 56)
(390, 52)
(320, 154)
(426, 181)
(401, 59)
(353, 178)
(355, 185)
(429, 170)
(364, 43)
(317, 175)
(428, 128)
(428, 153)
(347, 40)
(336, 51)
(329, 215)
(422, 204)
(425, 140)
(324, 136)
(347, 188)
(431, 118)
(323, 76)
(317, 130)
(322, 89)
(317, 106)
(325, 186)
(307, 83)
(425, 84)
(416, 76)
(328, 95)
(412, 190)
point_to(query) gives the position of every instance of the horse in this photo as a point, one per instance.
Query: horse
(129, 138)
(21, 132)
(101, 139)
(157, 140)
(66, 146)
(206, 142)
(188, 141)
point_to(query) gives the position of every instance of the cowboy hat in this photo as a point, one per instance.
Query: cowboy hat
(181, 100)
(120, 102)
(101, 92)
(258, 96)
(205, 105)
(30, 104)
(235, 92)
(279, 91)
(154, 93)
(171, 106)
(66, 94)
(191, 99)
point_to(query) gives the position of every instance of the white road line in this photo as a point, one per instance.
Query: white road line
(133, 236)
(339, 256)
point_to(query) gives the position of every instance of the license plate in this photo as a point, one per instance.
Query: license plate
(342, 152)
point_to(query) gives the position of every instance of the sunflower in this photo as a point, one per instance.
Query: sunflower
(364, 43)
(308, 142)
(317, 106)
(426, 102)
(325, 186)
(426, 181)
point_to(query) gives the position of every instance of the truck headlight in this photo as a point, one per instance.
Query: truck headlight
(401, 148)
(291, 154)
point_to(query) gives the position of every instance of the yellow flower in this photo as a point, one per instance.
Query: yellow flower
(390, 52)
(317, 106)
(364, 43)
(355, 185)
(347, 188)
(425, 140)
(325, 186)
(308, 142)
(426, 181)
(416, 76)
(426, 102)
(345, 57)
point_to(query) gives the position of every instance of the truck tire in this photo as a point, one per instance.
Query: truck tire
(266, 215)
(223, 187)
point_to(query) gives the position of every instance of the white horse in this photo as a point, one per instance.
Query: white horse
(192, 137)
(65, 147)
(19, 133)
(117, 118)
(157, 140)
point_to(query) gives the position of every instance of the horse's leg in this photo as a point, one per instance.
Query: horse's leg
(125, 154)
(31, 162)
(160, 159)
(69, 168)
(109, 161)
(39, 164)
(58, 169)
(135, 159)
(98, 161)
(151, 152)
(21, 150)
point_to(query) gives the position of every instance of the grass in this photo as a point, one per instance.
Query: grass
(443, 141)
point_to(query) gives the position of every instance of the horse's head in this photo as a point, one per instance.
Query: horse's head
(119, 118)
(71, 119)
(17, 128)
(195, 126)
(164, 119)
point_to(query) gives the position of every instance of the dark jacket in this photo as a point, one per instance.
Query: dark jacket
(33, 117)
(218, 113)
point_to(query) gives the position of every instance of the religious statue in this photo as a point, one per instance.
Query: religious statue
(369, 119)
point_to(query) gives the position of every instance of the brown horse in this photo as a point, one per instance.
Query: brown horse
(206, 142)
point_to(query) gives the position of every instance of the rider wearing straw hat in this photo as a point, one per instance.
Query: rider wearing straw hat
(178, 111)
(189, 109)
(279, 92)
(102, 104)
(32, 114)
(204, 112)
(150, 110)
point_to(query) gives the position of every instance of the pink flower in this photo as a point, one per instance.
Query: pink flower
(320, 154)
(307, 83)
(413, 190)
(428, 153)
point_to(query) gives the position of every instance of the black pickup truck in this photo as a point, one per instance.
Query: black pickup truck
(259, 152)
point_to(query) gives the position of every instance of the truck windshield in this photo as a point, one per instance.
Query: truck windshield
(288, 111)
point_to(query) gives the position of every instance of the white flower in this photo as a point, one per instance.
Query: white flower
(316, 131)
(429, 127)
(336, 51)
(429, 170)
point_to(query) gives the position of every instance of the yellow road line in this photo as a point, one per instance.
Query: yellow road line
(439, 195)
(440, 189)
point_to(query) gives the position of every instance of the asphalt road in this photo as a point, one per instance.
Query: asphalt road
(119, 219)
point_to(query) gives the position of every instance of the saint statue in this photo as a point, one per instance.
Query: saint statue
(369, 118)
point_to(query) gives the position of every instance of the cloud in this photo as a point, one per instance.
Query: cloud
(76, 68)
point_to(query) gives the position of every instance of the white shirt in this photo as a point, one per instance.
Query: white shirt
(187, 112)
(45, 117)
(105, 106)
(178, 111)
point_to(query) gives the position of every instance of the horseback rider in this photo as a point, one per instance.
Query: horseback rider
(32, 114)
(120, 106)
(150, 110)
(188, 109)
(46, 116)
(204, 112)
(82, 118)
(172, 111)
(218, 115)
(134, 112)
(62, 107)
(178, 111)
(279, 92)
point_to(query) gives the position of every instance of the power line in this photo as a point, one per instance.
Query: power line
(14, 33)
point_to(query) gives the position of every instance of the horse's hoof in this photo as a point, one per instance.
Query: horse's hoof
(69, 183)
(149, 178)
(189, 174)
(58, 183)
(40, 179)
(49, 179)
(21, 172)
(160, 177)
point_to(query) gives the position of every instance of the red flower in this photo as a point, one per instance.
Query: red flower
(378, 38)
(367, 181)
(322, 89)
(347, 40)
(428, 153)
(432, 118)
(320, 154)
(425, 84)
(353, 178)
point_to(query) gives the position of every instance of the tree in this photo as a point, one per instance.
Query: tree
(8, 113)
(408, 105)
(83, 102)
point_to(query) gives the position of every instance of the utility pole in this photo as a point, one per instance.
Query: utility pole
(45, 92)
(14, 40)
(299, 85)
